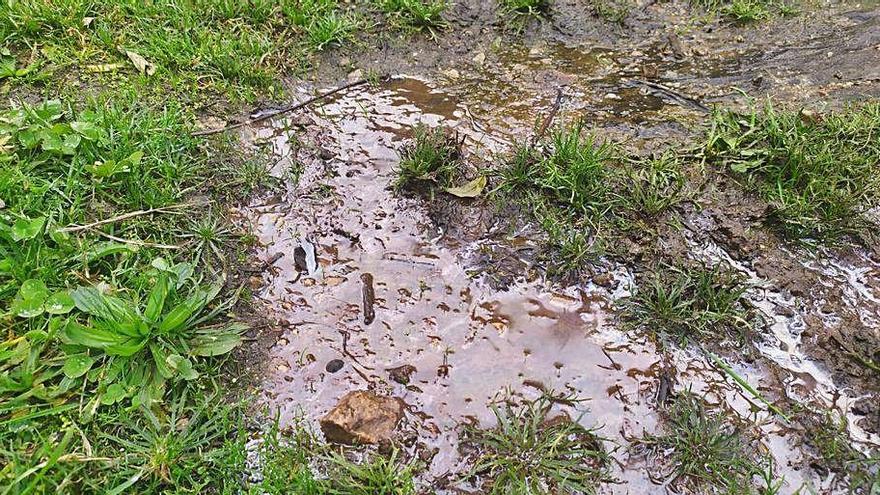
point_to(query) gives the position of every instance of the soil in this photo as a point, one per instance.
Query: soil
(462, 308)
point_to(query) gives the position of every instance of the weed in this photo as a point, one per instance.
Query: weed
(702, 449)
(817, 172)
(419, 14)
(747, 11)
(379, 475)
(207, 235)
(135, 348)
(690, 303)
(330, 28)
(432, 156)
(654, 185)
(827, 434)
(525, 8)
(614, 11)
(529, 452)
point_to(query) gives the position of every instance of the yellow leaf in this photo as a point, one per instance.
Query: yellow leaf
(140, 63)
(470, 190)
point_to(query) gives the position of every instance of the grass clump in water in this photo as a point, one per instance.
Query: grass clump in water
(584, 192)
(705, 453)
(432, 157)
(530, 452)
(827, 434)
(818, 173)
(690, 303)
(417, 14)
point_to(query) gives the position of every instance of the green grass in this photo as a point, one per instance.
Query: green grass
(585, 193)
(417, 14)
(690, 303)
(701, 451)
(237, 48)
(827, 435)
(432, 157)
(518, 12)
(531, 452)
(747, 11)
(817, 172)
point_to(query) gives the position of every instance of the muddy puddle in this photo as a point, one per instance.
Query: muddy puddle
(439, 337)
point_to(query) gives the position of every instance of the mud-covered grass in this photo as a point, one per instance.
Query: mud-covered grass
(533, 451)
(826, 433)
(817, 172)
(701, 451)
(690, 303)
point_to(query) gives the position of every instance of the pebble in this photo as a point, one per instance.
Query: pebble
(334, 365)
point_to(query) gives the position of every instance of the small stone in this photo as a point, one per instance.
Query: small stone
(451, 73)
(480, 59)
(283, 368)
(612, 96)
(362, 417)
(334, 365)
(344, 62)
(355, 75)
(401, 374)
(255, 282)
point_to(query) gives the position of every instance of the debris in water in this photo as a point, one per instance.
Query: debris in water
(369, 297)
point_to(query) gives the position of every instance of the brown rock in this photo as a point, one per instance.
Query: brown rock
(362, 417)
(401, 374)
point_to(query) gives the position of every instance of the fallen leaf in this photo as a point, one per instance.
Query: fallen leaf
(470, 190)
(141, 63)
(88, 21)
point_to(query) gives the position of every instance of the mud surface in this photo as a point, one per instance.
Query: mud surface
(404, 291)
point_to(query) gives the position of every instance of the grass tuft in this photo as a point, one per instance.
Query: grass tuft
(700, 449)
(584, 192)
(417, 14)
(530, 452)
(818, 173)
(432, 157)
(747, 11)
(690, 303)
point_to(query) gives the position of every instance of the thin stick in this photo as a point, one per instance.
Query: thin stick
(283, 110)
(549, 120)
(125, 216)
(678, 96)
(136, 242)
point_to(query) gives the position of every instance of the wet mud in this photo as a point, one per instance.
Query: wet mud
(435, 301)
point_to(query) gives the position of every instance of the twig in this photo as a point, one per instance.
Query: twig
(126, 216)
(286, 109)
(549, 120)
(679, 97)
(136, 242)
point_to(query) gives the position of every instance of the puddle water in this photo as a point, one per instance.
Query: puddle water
(442, 339)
